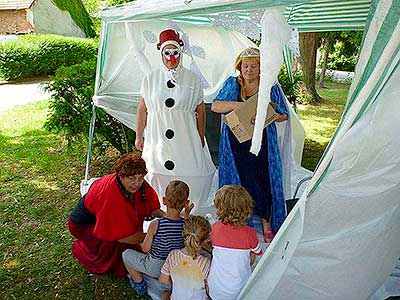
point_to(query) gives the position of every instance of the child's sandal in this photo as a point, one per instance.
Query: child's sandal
(140, 288)
(268, 236)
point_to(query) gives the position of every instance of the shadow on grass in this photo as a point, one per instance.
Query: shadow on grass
(40, 186)
(312, 153)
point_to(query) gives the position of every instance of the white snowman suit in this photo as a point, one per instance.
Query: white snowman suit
(172, 146)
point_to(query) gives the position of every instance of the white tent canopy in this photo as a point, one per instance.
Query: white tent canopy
(341, 240)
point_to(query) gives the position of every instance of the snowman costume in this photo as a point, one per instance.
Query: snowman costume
(172, 146)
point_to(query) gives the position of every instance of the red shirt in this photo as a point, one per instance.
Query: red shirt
(228, 236)
(116, 216)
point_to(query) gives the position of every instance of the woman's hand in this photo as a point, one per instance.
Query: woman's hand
(222, 107)
(281, 118)
(201, 121)
(202, 141)
(139, 143)
(141, 120)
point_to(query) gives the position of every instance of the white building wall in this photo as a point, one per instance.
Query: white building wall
(48, 18)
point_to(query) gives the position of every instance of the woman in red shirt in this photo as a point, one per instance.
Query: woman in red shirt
(109, 218)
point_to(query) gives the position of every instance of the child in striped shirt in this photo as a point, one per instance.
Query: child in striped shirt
(163, 236)
(187, 268)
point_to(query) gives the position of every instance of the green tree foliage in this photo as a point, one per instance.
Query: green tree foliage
(93, 7)
(79, 14)
(343, 54)
(71, 110)
(117, 2)
(32, 55)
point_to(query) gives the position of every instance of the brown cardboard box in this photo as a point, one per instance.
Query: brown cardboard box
(241, 121)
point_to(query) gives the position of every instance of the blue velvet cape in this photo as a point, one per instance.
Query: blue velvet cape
(227, 170)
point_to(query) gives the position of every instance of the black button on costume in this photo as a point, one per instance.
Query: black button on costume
(169, 165)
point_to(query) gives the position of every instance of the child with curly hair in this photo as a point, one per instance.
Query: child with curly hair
(187, 267)
(235, 244)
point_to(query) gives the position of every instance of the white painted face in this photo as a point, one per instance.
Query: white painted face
(171, 56)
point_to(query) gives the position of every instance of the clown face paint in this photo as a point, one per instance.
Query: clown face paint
(171, 54)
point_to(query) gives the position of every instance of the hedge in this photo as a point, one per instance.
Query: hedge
(35, 54)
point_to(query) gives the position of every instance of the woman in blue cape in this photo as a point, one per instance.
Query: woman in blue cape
(261, 175)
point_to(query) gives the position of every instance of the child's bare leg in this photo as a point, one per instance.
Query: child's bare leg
(136, 276)
(267, 231)
(166, 295)
(266, 225)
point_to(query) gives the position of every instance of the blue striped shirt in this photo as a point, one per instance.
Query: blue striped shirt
(167, 238)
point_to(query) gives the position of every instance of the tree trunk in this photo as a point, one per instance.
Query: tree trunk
(308, 53)
(327, 47)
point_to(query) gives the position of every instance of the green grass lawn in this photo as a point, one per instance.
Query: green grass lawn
(320, 121)
(40, 185)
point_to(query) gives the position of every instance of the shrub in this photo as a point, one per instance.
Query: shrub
(71, 110)
(33, 55)
(289, 87)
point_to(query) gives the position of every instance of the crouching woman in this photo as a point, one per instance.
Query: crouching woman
(109, 218)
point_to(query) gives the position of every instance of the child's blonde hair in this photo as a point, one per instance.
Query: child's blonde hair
(195, 231)
(234, 205)
(177, 192)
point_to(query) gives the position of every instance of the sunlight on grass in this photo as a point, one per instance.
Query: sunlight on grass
(320, 121)
(21, 119)
(11, 264)
(38, 183)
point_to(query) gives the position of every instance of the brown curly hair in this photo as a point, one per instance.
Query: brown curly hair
(177, 192)
(234, 205)
(130, 164)
(195, 231)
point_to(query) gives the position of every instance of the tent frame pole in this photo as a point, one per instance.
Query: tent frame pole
(96, 88)
(91, 133)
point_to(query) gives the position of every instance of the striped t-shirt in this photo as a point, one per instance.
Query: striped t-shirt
(167, 238)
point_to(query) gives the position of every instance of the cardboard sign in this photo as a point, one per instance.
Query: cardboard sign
(241, 120)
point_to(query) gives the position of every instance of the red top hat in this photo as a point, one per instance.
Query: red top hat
(169, 37)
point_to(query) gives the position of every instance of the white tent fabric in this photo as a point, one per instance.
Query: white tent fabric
(341, 239)
(128, 46)
(276, 35)
(121, 77)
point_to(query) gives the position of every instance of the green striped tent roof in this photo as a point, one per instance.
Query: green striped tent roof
(322, 15)
(329, 15)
